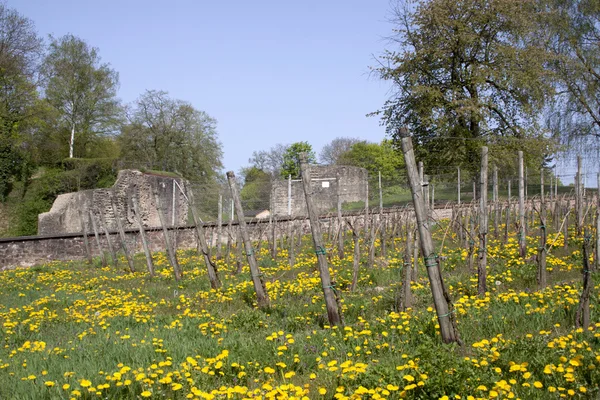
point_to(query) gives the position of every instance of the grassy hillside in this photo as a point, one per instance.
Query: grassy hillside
(80, 331)
(19, 213)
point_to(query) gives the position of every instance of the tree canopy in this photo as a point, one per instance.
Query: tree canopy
(466, 73)
(375, 158)
(171, 135)
(291, 159)
(83, 91)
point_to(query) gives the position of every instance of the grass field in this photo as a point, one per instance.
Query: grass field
(71, 330)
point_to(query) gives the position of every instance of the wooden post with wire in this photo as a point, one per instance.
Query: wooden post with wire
(262, 297)
(329, 290)
(122, 240)
(138, 218)
(170, 250)
(202, 247)
(441, 298)
(483, 224)
(521, 234)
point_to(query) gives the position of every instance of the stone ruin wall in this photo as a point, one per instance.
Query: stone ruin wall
(324, 185)
(64, 216)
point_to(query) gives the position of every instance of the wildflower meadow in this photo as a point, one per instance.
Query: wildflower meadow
(72, 330)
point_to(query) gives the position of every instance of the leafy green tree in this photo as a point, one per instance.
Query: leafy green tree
(467, 73)
(171, 135)
(84, 92)
(291, 158)
(376, 157)
(20, 50)
(256, 192)
(575, 48)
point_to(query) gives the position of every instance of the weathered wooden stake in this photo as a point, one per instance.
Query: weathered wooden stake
(496, 203)
(170, 251)
(122, 240)
(219, 227)
(340, 244)
(84, 232)
(138, 218)
(329, 291)
(406, 269)
(597, 258)
(582, 318)
(578, 197)
(458, 186)
(541, 258)
(441, 298)
(356, 255)
(104, 263)
(262, 297)
(202, 248)
(521, 235)
(483, 225)
(111, 249)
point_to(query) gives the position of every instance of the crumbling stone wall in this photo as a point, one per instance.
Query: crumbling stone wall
(352, 187)
(64, 216)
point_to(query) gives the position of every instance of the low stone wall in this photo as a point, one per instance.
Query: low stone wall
(31, 250)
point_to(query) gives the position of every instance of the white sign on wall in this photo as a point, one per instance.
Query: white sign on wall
(325, 184)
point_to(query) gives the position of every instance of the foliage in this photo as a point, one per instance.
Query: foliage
(41, 191)
(20, 49)
(171, 135)
(376, 157)
(468, 73)
(291, 159)
(575, 59)
(271, 160)
(331, 152)
(256, 192)
(83, 91)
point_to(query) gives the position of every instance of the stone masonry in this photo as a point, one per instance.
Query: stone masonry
(64, 215)
(352, 187)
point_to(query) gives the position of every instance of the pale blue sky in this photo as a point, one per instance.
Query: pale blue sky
(269, 71)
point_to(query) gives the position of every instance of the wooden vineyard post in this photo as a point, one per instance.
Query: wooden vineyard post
(147, 253)
(113, 253)
(508, 211)
(170, 251)
(496, 203)
(291, 255)
(578, 197)
(329, 291)
(340, 245)
(406, 269)
(122, 240)
(597, 258)
(521, 234)
(441, 298)
(103, 261)
(239, 253)
(458, 186)
(483, 225)
(84, 231)
(262, 297)
(356, 260)
(471, 251)
(582, 318)
(382, 225)
(219, 227)
(371, 256)
(202, 248)
(542, 273)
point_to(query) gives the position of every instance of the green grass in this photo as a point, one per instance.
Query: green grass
(106, 327)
